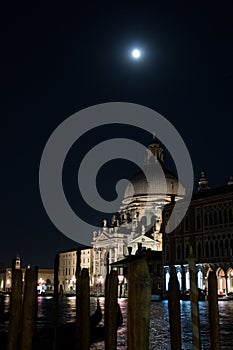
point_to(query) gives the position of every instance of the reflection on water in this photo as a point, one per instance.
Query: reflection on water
(159, 324)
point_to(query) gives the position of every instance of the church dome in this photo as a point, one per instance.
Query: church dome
(155, 182)
(158, 185)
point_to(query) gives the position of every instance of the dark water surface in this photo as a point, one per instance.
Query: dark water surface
(159, 324)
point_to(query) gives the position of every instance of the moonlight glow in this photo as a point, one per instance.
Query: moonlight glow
(136, 53)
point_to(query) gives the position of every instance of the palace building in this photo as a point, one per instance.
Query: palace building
(208, 229)
(67, 268)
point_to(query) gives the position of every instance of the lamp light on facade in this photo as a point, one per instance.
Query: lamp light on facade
(120, 279)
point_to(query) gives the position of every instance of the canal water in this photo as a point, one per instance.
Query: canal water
(159, 324)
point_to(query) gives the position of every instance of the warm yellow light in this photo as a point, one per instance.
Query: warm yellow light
(120, 278)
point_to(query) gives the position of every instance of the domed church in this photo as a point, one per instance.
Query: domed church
(140, 214)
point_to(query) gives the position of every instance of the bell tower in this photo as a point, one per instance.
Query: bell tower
(17, 262)
(203, 183)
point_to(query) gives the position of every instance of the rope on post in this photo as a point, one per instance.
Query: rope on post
(194, 302)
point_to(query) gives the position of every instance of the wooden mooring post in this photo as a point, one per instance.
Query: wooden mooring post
(29, 310)
(213, 311)
(174, 310)
(83, 321)
(15, 311)
(77, 283)
(110, 314)
(55, 302)
(139, 305)
(194, 302)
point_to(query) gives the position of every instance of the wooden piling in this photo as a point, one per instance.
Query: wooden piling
(77, 276)
(194, 302)
(83, 321)
(174, 310)
(110, 313)
(15, 311)
(1, 308)
(213, 311)
(29, 309)
(55, 302)
(139, 305)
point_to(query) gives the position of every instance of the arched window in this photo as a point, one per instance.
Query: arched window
(225, 216)
(207, 249)
(187, 250)
(230, 215)
(231, 247)
(206, 219)
(211, 249)
(153, 220)
(210, 219)
(221, 248)
(216, 249)
(167, 253)
(187, 280)
(198, 218)
(144, 221)
(230, 280)
(167, 279)
(178, 252)
(200, 279)
(220, 217)
(226, 247)
(186, 223)
(215, 218)
(179, 277)
(199, 250)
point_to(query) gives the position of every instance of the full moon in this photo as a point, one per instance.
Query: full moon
(136, 53)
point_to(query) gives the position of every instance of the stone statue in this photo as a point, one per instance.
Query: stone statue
(114, 220)
(143, 230)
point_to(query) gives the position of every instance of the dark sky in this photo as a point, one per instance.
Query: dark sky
(56, 61)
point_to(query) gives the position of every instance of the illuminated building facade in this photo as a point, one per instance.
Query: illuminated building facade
(45, 282)
(140, 215)
(208, 229)
(67, 268)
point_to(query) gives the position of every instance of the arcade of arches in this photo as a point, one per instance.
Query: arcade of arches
(224, 278)
(208, 229)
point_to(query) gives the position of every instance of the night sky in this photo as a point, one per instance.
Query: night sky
(56, 61)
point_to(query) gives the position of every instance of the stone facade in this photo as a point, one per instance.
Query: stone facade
(67, 268)
(208, 229)
(45, 282)
(140, 215)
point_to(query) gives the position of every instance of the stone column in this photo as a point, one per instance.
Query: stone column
(226, 290)
(115, 254)
(110, 259)
(183, 279)
(99, 256)
(227, 283)
(94, 266)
